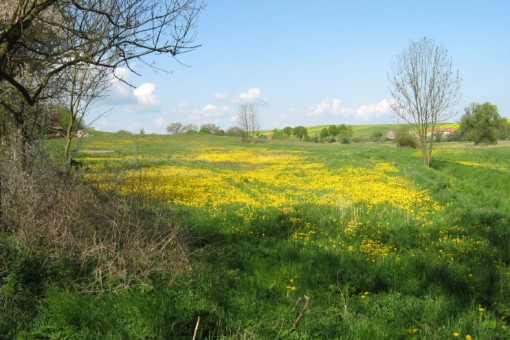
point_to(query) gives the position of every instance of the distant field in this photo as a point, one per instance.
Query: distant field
(365, 131)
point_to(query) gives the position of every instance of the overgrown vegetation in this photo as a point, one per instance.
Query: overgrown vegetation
(283, 240)
(59, 234)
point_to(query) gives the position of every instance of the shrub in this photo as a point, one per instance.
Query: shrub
(114, 240)
(405, 138)
(376, 136)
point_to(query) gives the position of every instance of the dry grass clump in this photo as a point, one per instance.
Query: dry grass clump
(120, 239)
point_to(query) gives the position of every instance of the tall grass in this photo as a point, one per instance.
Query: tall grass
(375, 266)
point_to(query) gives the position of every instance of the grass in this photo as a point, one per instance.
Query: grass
(381, 246)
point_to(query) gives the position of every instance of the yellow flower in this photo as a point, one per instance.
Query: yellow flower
(412, 330)
(481, 309)
(291, 280)
(469, 337)
(455, 334)
(363, 296)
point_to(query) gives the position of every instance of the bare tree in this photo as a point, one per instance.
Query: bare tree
(175, 128)
(248, 120)
(41, 40)
(87, 83)
(424, 88)
(189, 127)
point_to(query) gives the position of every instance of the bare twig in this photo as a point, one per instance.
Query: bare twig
(196, 328)
(301, 314)
(344, 301)
(299, 299)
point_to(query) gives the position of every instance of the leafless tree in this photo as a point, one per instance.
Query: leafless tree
(248, 120)
(42, 41)
(425, 88)
(209, 128)
(87, 83)
(175, 128)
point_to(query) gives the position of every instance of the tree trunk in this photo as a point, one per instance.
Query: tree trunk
(1, 205)
(67, 145)
(424, 152)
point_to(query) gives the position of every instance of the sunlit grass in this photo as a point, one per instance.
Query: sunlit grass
(383, 247)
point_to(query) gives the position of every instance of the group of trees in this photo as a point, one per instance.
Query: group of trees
(299, 132)
(208, 128)
(178, 127)
(248, 125)
(66, 52)
(482, 124)
(342, 133)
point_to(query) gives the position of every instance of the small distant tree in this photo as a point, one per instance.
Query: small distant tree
(86, 84)
(278, 134)
(59, 116)
(324, 133)
(333, 130)
(123, 132)
(344, 133)
(376, 136)
(190, 128)
(175, 128)
(300, 132)
(234, 131)
(209, 128)
(424, 87)
(482, 124)
(287, 131)
(248, 120)
(405, 137)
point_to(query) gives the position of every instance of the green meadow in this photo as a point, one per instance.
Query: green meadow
(291, 240)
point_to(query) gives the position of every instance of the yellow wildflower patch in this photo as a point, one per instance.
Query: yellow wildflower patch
(272, 181)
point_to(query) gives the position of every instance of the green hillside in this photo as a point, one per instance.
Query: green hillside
(364, 131)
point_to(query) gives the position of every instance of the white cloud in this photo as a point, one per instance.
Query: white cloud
(280, 120)
(366, 112)
(184, 108)
(118, 81)
(220, 96)
(160, 122)
(145, 94)
(120, 93)
(210, 108)
(329, 107)
(252, 96)
(210, 113)
(101, 124)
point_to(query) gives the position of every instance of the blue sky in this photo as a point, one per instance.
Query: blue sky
(310, 63)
